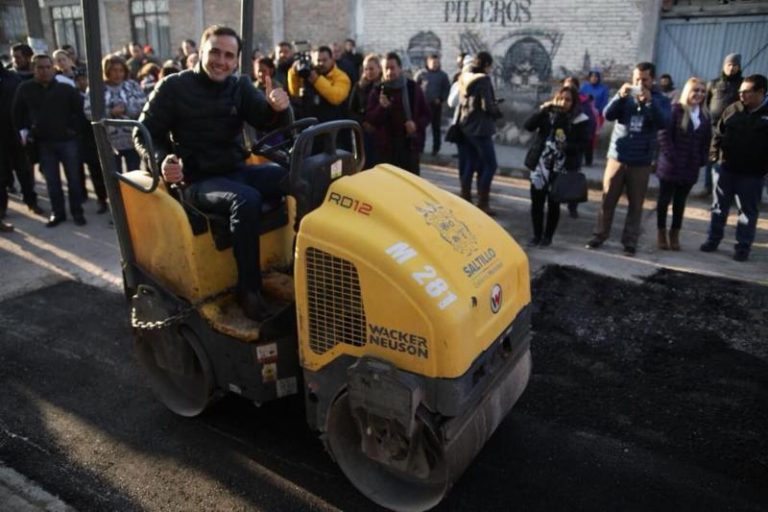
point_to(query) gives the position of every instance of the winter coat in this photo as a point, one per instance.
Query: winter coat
(358, 100)
(544, 122)
(9, 82)
(128, 93)
(634, 136)
(206, 120)
(327, 100)
(721, 93)
(683, 151)
(478, 110)
(740, 140)
(390, 122)
(599, 93)
(52, 112)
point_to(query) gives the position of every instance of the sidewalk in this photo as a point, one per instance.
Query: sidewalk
(511, 158)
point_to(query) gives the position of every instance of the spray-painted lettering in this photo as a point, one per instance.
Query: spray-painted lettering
(503, 12)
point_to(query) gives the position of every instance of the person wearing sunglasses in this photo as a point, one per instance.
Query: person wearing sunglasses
(740, 146)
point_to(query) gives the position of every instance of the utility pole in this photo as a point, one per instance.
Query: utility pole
(35, 34)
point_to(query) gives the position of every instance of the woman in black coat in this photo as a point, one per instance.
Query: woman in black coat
(358, 101)
(558, 146)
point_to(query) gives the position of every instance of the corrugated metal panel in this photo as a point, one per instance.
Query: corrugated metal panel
(697, 47)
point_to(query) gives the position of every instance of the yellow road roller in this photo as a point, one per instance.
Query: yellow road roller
(402, 311)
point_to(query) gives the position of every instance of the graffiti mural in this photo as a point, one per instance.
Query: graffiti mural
(421, 46)
(502, 12)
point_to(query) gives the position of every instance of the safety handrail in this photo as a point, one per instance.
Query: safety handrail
(152, 162)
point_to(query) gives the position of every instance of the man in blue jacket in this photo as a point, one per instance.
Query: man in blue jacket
(640, 112)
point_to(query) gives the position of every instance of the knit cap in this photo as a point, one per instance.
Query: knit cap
(732, 58)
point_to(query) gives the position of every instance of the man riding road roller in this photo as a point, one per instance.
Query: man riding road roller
(202, 112)
(404, 315)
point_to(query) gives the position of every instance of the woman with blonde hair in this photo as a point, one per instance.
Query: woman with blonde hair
(683, 148)
(358, 103)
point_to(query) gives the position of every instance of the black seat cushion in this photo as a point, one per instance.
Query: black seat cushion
(274, 215)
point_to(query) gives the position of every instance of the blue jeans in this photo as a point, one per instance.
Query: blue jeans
(477, 153)
(239, 196)
(730, 187)
(66, 154)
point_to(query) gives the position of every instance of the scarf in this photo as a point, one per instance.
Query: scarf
(400, 84)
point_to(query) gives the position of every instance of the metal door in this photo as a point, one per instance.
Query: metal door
(697, 46)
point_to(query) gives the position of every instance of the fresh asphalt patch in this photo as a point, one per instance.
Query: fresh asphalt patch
(650, 396)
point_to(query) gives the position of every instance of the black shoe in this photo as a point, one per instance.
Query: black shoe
(253, 305)
(709, 246)
(573, 212)
(102, 207)
(741, 255)
(595, 243)
(35, 208)
(546, 241)
(54, 220)
(79, 220)
(533, 242)
(629, 250)
(5, 227)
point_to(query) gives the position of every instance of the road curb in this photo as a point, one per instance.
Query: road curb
(20, 494)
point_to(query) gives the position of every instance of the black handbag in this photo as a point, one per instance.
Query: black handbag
(569, 187)
(454, 134)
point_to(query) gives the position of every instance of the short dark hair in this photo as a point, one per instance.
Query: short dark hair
(646, 66)
(24, 48)
(39, 56)
(219, 30)
(433, 56)
(325, 49)
(481, 61)
(758, 81)
(350, 40)
(395, 57)
(266, 61)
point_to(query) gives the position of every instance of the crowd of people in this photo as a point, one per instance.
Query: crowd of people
(45, 108)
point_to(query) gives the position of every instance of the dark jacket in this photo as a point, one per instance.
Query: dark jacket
(683, 151)
(358, 100)
(634, 136)
(205, 119)
(9, 82)
(390, 122)
(544, 122)
(478, 110)
(740, 140)
(52, 112)
(721, 93)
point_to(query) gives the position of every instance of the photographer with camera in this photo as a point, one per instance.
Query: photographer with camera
(317, 87)
(640, 112)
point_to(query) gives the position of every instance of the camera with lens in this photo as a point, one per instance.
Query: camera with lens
(303, 58)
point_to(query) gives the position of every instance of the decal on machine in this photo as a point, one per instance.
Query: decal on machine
(496, 298)
(398, 341)
(350, 203)
(451, 229)
(480, 262)
(287, 386)
(426, 275)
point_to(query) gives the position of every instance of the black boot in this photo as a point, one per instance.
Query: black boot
(253, 305)
(483, 202)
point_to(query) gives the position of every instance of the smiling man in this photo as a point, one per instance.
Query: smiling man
(196, 121)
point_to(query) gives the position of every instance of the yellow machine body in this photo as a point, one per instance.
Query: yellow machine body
(189, 265)
(392, 267)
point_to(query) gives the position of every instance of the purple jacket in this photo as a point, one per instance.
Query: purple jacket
(683, 152)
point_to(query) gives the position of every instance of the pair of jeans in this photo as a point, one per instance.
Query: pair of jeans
(54, 155)
(477, 153)
(239, 195)
(729, 188)
(677, 193)
(616, 179)
(538, 198)
(13, 158)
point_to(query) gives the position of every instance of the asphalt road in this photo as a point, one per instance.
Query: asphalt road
(77, 416)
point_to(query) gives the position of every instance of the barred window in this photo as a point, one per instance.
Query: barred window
(68, 27)
(150, 25)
